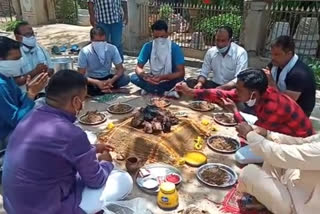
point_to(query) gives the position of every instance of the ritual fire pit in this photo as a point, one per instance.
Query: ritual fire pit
(154, 119)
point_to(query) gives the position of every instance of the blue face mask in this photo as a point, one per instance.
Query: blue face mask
(223, 50)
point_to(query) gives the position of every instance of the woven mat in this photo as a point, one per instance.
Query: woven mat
(166, 147)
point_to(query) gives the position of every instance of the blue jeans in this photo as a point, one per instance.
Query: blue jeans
(154, 89)
(115, 32)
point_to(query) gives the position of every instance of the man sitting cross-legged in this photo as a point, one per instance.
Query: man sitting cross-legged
(288, 182)
(95, 61)
(166, 63)
(275, 111)
(50, 166)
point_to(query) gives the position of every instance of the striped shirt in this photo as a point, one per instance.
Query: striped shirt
(107, 11)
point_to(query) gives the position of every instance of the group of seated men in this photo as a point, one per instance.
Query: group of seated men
(50, 158)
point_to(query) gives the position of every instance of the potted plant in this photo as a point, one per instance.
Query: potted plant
(166, 12)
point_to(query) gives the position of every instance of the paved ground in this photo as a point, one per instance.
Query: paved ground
(192, 191)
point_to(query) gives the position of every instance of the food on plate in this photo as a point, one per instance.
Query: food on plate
(150, 183)
(215, 176)
(120, 108)
(225, 118)
(160, 102)
(222, 143)
(173, 178)
(202, 106)
(92, 117)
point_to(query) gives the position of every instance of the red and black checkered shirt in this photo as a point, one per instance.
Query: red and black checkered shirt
(275, 111)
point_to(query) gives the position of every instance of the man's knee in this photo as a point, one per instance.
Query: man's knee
(247, 176)
(135, 79)
(123, 81)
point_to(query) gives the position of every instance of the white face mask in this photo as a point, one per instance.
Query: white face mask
(223, 50)
(161, 41)
(251, 102)
(11, 68)
(29, 41)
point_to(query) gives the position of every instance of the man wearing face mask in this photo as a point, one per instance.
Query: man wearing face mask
(166, 63)
(95, 62)
(51, 160)
(275, 111)
(225, 61)
(14, 103)
(35, 59)
(290, 75)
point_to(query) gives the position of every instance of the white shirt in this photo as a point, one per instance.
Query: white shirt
(225, 68)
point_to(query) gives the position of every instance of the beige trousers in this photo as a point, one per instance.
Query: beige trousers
(264, 184)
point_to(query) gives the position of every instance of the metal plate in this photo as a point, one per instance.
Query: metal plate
(212, 106)
(109, 109)
(232, 175)
(95, 123)
(168, 103)
(159, 171)
(229, 139)
(217, 120)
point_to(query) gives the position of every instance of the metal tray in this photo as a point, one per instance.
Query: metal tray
(157, 170)
(233, 177)
(95, 123)
(201, 110)
(231, 140)
(168, 103)
(115, 112)
(221, 122)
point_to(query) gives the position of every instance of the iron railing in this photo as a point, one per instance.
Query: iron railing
(6, 11)
(191, 25)
(298, 19)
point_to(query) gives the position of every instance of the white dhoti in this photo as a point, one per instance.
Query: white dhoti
(118, 186)
(265, 186)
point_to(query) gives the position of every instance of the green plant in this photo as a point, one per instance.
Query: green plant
(66, 11)
(11, 25)
(209, 25)
(83, 4)
(165, 12)
(315, 66)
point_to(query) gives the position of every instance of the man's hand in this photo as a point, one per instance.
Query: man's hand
(125, 19)
(229, 105)
(40, 68)
(199, 85)
(155, 80)
(105, 157)
(93, 21)
(261, 131)
(243, 129)
(183, 88)
(271, 81)
(104, 84)
(37, 84)
(101, 148)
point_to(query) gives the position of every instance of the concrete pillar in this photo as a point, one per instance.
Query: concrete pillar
(256, 19)
(136, 32)
(38, 12)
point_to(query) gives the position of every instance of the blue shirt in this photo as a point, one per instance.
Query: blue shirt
(177, 55)
(89, 60)
(45, 154)
(14, 105)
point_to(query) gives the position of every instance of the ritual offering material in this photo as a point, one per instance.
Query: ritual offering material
(195, 158)
(133, 164)
(159, 172)
(92, 118)
(159, 102)
(217, 175)
(120, 108)
(168, 198)
(154, 119)
(223, 144)
(225, 119)
(202, 106)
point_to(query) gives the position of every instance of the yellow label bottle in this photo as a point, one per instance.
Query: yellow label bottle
(168, 198)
